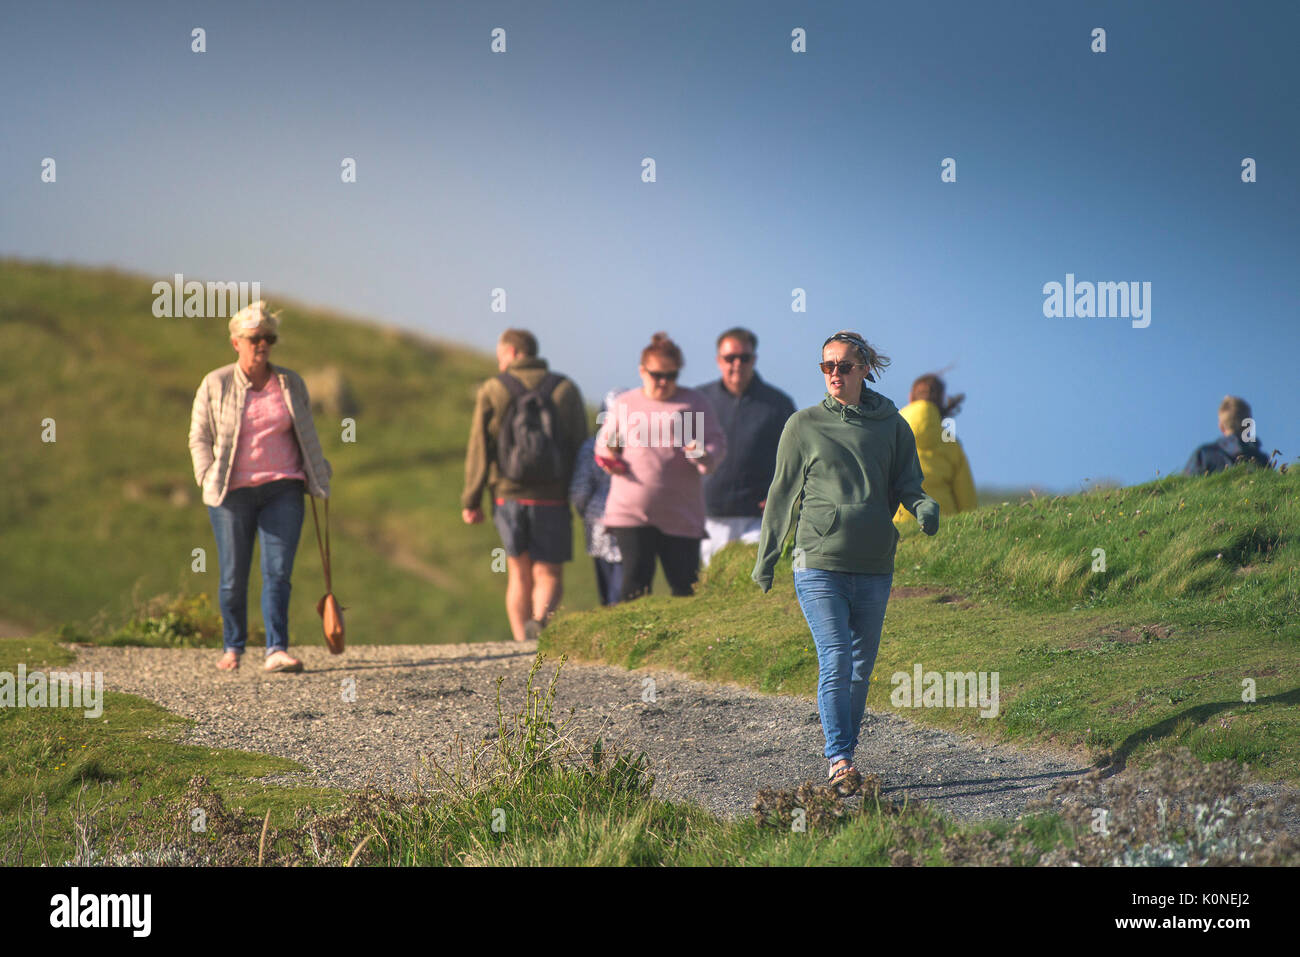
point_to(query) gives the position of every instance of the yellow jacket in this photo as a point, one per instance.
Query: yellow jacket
(947, 473)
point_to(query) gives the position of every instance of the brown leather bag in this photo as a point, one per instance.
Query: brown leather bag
(329, 609)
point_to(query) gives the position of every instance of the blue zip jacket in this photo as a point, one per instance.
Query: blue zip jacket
(752, 423)
(1217, 456)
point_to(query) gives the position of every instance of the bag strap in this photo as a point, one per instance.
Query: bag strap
(323, 546)
(513, 385)
(548, 384)
(516, 387)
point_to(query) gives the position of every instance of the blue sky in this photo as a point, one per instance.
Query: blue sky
(775, 170)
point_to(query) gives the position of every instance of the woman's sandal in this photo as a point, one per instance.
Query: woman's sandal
(845, 780)
(229, 661)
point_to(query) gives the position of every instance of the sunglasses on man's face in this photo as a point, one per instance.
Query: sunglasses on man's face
(268, 337)
(844, 368)
(662, 376)
(745, 357)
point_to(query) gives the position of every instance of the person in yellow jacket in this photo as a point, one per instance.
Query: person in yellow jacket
(947, 473)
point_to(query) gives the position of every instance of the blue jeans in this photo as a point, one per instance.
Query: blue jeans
(273, 512)
(845, 613)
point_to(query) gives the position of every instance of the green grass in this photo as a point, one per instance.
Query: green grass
(59, 767)
(1143, 658)
(73, 788)
(90, 529)
(121, 791)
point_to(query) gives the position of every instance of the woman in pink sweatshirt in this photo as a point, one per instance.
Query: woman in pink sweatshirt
(656, 443)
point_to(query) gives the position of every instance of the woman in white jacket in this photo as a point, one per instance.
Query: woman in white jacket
(255, 453)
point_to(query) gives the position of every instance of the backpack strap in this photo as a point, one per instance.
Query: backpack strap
(516, 388)
(512, 384)
(548, 384)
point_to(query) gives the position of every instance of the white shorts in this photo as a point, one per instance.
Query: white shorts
(723, 530)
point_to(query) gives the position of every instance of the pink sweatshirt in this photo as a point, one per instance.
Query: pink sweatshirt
(268, 448)
(663, 487)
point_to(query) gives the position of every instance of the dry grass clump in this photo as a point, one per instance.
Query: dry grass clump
(1177, 813)
(823, 806)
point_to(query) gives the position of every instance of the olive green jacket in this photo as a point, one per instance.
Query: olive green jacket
(844, 469)
(481, 471)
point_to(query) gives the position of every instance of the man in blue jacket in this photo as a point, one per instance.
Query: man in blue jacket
(1238, 443)
(752, 414)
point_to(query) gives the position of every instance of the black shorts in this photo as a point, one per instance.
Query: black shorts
(543, 532)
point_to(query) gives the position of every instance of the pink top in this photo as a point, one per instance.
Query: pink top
(268, 447)
(663, 486)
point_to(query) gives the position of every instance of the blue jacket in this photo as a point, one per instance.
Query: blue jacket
(590, 484)
(1229, 450)
(752, 423)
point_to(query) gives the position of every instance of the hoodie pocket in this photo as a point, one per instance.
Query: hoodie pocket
(863, 532)
(820, 520)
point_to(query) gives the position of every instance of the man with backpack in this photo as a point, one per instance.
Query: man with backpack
(528, 425)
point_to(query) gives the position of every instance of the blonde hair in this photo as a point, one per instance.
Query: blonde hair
(253, 317)
(1233, 411)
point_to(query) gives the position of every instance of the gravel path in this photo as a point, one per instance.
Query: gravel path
(715, 745)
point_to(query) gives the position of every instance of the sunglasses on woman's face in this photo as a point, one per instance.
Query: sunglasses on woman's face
(844, 368)
(268, 337)
(662, 376)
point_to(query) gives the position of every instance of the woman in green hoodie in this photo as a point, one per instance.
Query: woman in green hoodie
(846, 464)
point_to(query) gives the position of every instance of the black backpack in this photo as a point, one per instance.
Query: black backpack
(527, 450)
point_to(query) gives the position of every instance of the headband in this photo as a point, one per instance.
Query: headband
(859, 344)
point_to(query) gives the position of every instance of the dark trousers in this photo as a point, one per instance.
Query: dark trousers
(640, 547)
(609, 580)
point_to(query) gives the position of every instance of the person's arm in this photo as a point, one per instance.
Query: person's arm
(963, 484)
(201, 438)
(908, 477)
(311, 448)
(713, 441)
(476, 454)
(785, 409)
(782, 499)
(583, 484)
(575, 420)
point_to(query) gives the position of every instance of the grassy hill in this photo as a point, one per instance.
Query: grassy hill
(108, 514)
(1199, 596)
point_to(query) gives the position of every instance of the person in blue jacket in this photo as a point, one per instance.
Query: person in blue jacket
(752, 414)
(1238, 443)
(587, 493)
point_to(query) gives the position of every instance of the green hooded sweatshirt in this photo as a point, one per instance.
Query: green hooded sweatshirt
(849, 467)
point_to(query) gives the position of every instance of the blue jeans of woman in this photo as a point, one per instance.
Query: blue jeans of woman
(845, 613)
(271, 512)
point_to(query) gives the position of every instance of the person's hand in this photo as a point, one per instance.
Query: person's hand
(613, 465)
(927, 515)
(762, 505)
(471, 516)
